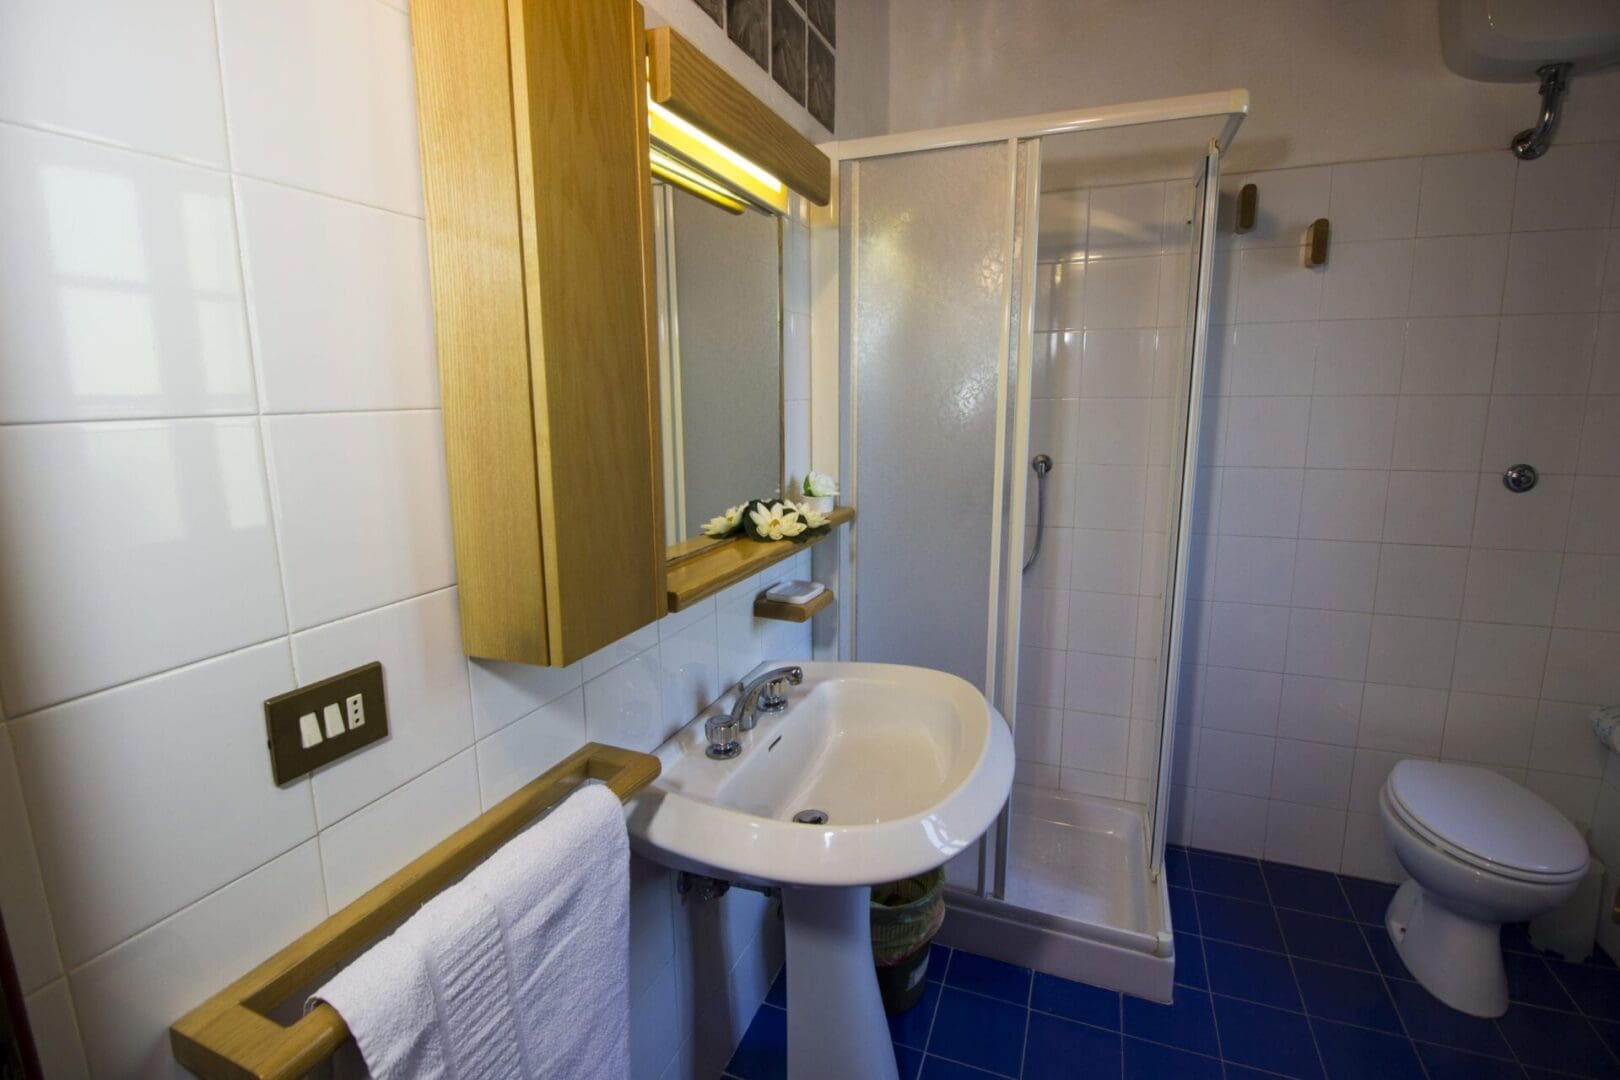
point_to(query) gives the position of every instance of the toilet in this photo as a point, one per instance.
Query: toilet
(1480, 851)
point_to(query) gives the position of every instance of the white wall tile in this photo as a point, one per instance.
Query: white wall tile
(1125, 220)
(1113, 363)
(1369, 279)
(1429, 507)
(1272, 286)
(1594, 517)
(1308, 836)
(1534, 520)
(425, 678)
(1331, 644)
(1583, 666)
(1271, 359)
(1433, 432)
(55, 1030)
(362, 510)
(1571, 187)
(1402, 719)
(1600, 437)
(120, 294)
(1574, 797)
(1375, 200)
(1038, 737)
(129, 548)
(1589, 593)
(1235, 763)
(376, 840)
(1094, 742)
(1339, 504)
(321, 96)
(147, 797)
(1098, 623)
(1231, 823)
(1366, 852)
(1449, 355)
(1099, 684)
(625, 706)
(529, 746)
(1421, 580)
(1252, 636)
(342, 318)
(127, 998)
(1351, 432)
(1545, 354)
(1264, 430)
(1564, 743)
(1511, 586)
(691, 676)
(1544, 431)
(1320, 710)
(1554, 271)
(1606, 361)
(22, 889)
(1489, 729)
(145, 77)
(1312, 774)
(1335, 574)
(1458, 275)
(1466, 193)
(1254, 569)
(1234, 699)
(503, 692)
(1497, 659)
(1260, 502)
(1360, 355)
(1373, 766)
(1290, 199)
(1407, 651)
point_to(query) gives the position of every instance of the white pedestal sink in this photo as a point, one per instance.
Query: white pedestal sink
(910, 767)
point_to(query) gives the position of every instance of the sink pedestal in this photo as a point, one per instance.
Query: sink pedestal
(836, 1025)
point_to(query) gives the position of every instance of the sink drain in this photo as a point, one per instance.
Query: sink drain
(811, 817)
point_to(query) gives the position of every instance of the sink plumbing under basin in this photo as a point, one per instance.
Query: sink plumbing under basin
(872, 773)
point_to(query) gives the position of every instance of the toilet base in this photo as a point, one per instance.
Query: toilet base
(1454, 957)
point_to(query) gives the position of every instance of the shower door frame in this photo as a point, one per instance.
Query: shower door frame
(829, 353)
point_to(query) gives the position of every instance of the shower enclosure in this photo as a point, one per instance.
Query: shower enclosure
(1007, 291)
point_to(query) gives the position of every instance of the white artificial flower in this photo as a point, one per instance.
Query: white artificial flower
(776, 521)
(724, 524)
(812, 518)
(816, 483)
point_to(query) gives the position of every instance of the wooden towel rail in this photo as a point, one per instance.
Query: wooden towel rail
(231, 1035)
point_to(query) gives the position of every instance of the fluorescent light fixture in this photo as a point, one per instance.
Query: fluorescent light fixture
(721, 168)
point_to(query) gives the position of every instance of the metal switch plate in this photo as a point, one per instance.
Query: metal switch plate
(319, 723)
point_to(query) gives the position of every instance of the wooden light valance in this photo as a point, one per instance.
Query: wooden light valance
(695, 88)
(231, 1035)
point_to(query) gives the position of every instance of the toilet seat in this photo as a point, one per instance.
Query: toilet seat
(1486, 821)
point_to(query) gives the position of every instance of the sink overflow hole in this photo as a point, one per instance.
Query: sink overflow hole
(774, 741)
(811, 817)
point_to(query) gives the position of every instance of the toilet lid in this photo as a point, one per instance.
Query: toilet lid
(1483, 814)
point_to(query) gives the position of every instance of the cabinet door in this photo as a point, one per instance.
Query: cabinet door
(534, 150)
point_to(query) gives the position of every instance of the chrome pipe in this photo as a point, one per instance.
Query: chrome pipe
(1042, 465)
(1532, 142)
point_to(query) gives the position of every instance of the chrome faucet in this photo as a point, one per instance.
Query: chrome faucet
(763, 694)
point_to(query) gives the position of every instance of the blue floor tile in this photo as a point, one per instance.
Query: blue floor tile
(1251, 974)
(939, 958)
(1368, 899)
(1347, 996)
(1389, 961)
(1076, 1001)
(1430, 1020)
(908, 1061)
(1183, 910)
(1596, 990)
(978, 1031)
(1306, 890)
(1445, 1063)
(993, 978)
(1516, 938)
(777, 995)
(1531, 981)
(1609, 1032)
(1059, 1050)
(1352, 1053)
(939, 1069)
(911, 1027)
(1266, 1038)
(1190, 961)
(1562, 1042)
(1176, 867)
(1227, 876)
(1150, 1061)
(1187, 1023)
(762, 1054)
(1334, 941)
(1240, 921)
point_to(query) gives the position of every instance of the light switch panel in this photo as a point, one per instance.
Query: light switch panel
(317, 724)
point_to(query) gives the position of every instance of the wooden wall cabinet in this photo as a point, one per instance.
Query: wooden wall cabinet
(537, 190)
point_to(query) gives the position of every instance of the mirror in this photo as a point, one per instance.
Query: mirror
(720, 355)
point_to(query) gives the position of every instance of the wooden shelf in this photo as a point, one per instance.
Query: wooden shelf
(698, 573)
(778, 609)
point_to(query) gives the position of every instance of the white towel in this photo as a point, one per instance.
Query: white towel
(520, 970)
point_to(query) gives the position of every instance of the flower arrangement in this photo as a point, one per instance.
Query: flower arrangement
(767, 520)
(820, 491)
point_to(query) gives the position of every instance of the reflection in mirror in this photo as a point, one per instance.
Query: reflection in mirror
(720, 353)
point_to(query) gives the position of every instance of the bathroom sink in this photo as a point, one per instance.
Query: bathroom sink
(891, 771)
(902, 768)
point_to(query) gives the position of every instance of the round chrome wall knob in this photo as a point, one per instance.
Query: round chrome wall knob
(1519, 478)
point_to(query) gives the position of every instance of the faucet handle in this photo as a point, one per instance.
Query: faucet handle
(721, 730)
(773, 698)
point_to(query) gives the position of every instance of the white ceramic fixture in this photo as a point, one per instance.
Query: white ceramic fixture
(1507, 40)
(1481, 851)
(909, 765)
